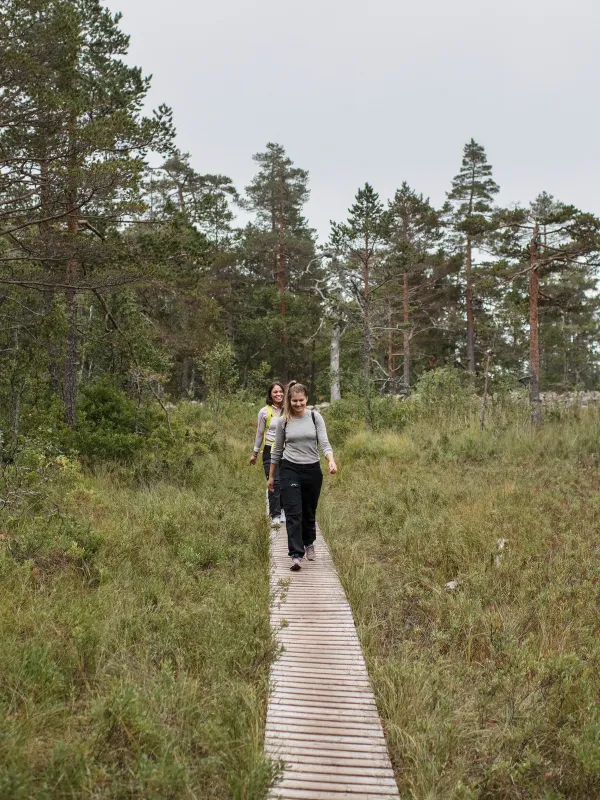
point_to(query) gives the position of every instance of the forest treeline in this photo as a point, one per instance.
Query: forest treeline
(124, 266)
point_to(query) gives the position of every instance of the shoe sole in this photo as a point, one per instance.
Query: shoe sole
(295, 567)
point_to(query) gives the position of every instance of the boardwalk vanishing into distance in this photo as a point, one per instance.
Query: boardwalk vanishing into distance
(322, 720)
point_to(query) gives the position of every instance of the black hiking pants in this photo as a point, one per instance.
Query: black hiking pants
(300, 490)
(274, 496)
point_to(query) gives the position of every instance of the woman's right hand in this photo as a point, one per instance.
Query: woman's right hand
(271, 484)
(253, 458)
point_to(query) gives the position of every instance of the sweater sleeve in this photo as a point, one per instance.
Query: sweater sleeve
(277, 449)
(322, 435)
(260, 429)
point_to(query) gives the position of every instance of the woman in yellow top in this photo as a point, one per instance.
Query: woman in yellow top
(268, 417)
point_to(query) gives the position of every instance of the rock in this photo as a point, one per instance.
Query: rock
(498, 557)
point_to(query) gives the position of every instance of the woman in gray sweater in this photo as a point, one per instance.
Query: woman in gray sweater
(298, 435)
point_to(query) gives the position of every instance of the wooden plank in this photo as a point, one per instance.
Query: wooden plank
(328, 723)
(324, 689)
(301, 742)
(303, 794)
(343, 702)
(322, 720)
(325, 786)
(309, 794)
(318, 768)
(343, 761)
(314, 732)
(336, 778)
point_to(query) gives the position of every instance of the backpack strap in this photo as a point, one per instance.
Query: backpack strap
(267, 423)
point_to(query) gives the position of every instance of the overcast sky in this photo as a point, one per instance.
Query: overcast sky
(381, 90)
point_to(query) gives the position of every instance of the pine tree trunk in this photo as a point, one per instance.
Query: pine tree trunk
(390, 354)
(70, 367)
(313, 368)
(53, 349)
(184, 385)
(406, 340)
(534, 326)
(334, 362)
(485, 391)
(17, 387)
(367, 338)
(469, 303)
(70, 364)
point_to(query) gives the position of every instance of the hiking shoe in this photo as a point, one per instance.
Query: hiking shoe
(296, 564)
(309, 552)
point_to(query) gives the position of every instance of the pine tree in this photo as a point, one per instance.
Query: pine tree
(472, 195)
(79, 158)
(360, 243)
(414, 235)
(556, 248)
(279, 237)
(202, 200)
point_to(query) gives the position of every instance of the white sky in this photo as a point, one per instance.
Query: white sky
(381, 90)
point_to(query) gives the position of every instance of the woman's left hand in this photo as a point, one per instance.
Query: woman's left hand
(332, 467)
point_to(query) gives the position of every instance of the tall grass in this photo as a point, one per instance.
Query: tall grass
(485, 657)
(134, 637)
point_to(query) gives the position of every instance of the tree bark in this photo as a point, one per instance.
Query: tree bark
(313, 368)
(485, 390)
(70, 365)
(44, 229)
(186, 368)
(391, 358)
(406, 340)
(469, 304)
(367, 336)
(534, 327)
(334, 362)
(17, 387)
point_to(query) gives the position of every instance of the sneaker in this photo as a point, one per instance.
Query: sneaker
(275, 523)
(309, 552)
(296, 564)
(282, 517)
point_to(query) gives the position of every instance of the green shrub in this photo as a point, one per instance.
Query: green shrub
(111, 427)
(442, 392)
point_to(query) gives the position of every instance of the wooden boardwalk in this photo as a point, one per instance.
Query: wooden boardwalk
(322, 720)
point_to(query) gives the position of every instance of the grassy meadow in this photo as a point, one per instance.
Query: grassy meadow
(134, 632)
(484, 653)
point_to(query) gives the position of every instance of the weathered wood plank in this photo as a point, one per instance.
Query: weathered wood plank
(322, 720)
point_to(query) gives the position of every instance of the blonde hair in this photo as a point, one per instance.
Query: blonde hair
(293, 387)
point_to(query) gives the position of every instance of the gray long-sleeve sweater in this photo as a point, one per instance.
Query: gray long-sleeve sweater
(301, 439)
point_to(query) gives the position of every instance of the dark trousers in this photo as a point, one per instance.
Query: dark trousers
(274, 497)
(300, 490)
